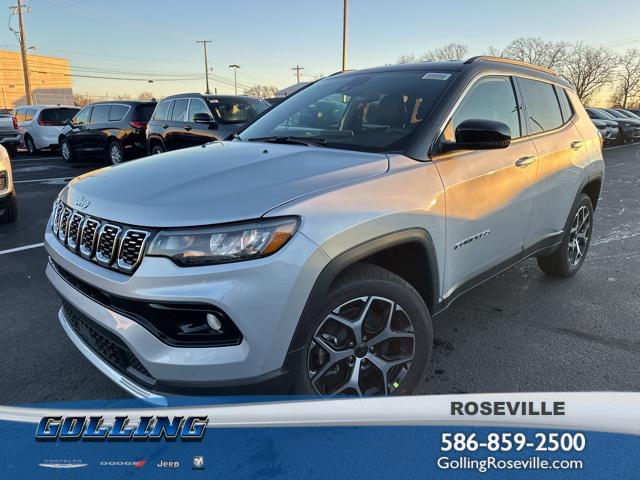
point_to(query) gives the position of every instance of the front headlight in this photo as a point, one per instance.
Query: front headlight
(224, 244)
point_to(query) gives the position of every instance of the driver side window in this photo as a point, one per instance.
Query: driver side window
(82, 118)
(491, 98)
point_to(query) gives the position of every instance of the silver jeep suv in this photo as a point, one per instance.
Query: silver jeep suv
(310, 251)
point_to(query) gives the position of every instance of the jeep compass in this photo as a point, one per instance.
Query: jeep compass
(310, 253)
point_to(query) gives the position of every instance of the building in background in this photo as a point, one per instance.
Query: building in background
(50, 80)
(285, 92)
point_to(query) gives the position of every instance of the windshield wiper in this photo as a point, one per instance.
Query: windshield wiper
(309, 141)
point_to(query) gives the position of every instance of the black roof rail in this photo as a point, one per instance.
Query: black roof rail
(489, 58)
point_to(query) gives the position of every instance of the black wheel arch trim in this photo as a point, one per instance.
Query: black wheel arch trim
(351, 257)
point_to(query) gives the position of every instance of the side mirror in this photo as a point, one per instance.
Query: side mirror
(68, 121)
(478, 134)
(203, 118)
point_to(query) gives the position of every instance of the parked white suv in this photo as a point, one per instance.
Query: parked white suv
(41, 125)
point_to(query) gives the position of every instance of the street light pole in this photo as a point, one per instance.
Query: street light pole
(235, 76)
(345, 33)
(206, 63)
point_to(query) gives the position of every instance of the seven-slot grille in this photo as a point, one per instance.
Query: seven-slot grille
(111, 245)
(3, 180)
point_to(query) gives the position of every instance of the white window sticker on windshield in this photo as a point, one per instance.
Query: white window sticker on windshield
(436, 76)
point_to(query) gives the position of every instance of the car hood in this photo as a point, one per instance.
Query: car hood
(215, 183)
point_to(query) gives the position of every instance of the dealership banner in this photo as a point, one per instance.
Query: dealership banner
(510, 435)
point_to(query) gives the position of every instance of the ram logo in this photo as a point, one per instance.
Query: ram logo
(467, 241)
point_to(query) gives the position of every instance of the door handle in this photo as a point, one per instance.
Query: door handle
(188, 128)
(165, 126)
(526, 160)
(577, 144)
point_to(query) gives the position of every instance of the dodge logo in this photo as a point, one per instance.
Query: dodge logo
(82, 203)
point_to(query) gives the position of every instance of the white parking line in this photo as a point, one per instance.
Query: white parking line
(19, 249)
(57, 179)
(621, 146)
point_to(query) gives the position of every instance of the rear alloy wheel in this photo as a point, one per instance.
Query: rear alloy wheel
(116, 155)
(65, 150)
(30, 145)
(568, 258)
(376, 342)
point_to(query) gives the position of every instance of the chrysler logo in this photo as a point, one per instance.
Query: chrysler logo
(82, 203)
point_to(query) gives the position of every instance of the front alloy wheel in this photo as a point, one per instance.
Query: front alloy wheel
(364, 347)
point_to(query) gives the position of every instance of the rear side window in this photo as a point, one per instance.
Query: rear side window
(565, 104)
(29, 114)
(20, 115)
(179, 113)
(118, 112)
(143, 112)
(56, 116)
(162, 111)
(491, 98)
(543, 108)
(100, 114)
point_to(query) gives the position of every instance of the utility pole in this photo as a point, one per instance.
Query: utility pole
(23, 52)
(297, 68)
(235, 76)
(206, 63)
(345, 33)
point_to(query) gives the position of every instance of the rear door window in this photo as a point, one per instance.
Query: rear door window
(56, 116)
(162, 110)
(117, 113)
(565, 104)
(543, 108)
(100, 114)
(180, 107)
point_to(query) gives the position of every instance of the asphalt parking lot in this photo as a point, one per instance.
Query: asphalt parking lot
(521, 331)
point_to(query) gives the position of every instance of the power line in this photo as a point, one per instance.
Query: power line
(297, 68)
(23, 50)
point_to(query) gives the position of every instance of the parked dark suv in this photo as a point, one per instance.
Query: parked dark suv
(191, 119)
(112, 130)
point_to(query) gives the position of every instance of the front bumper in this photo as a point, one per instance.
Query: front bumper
(264, 298)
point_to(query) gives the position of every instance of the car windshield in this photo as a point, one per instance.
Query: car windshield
(375, 112)
(630, 114)
(237, 110)
(604, 114)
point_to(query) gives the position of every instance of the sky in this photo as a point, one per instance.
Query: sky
(157, 39)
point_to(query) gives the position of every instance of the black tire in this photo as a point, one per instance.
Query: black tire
(30, 145)
(12, 150)
(157, 149)
(115, 153)
(10, 213)
(564, 262)
(369, 281)
(66, 151)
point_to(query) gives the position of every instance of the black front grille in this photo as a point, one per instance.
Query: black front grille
(106, 345)
(3, 180)
(74, 230)
(131, 248)
(111, 245)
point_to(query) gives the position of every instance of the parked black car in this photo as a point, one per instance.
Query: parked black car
(115, 131)
(191, 119)
(628, 113)
(628, 130)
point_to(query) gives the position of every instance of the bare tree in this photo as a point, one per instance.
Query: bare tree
(589, 69)
(410, 58)
(261, 91)
(80, 100)
(537, 52)
(627, 87)
(145, 96)
(452, 51)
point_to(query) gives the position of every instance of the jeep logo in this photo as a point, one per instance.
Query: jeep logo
(82, 203)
